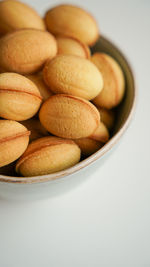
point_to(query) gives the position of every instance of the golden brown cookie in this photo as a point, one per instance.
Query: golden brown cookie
(69, 116)
(37, 79)
(16, 15)
(101, 133)
(72, 46)
(20, 99)
(114, 82)
(107, 117)
(26, 51)
(67, 74)
(72, 21)
(48, 155)
(88, 146)
(14, 139)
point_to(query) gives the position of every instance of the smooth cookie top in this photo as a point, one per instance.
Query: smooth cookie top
(72, 21)
(69, 116)
(26, 51)
(73, 75)
(16, 15)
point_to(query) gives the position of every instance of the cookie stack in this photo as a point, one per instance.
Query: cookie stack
(56, 99)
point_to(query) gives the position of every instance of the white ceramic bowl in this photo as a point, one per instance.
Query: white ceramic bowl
(52, 184)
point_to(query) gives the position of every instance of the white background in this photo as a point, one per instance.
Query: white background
(106, 220)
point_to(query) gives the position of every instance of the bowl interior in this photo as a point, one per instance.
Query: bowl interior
(124, 114)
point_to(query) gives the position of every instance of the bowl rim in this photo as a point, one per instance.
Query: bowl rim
(84, 163)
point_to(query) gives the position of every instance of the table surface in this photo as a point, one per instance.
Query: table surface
(106, 220)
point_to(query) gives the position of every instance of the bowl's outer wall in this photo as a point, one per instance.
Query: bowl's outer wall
(38, 191)
(125, 110)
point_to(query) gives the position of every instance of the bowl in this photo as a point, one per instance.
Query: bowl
(56, 183)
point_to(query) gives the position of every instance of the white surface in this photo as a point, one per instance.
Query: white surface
(105, 221)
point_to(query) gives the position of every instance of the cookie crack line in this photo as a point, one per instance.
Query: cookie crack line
(17, 91)
(12, 137)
